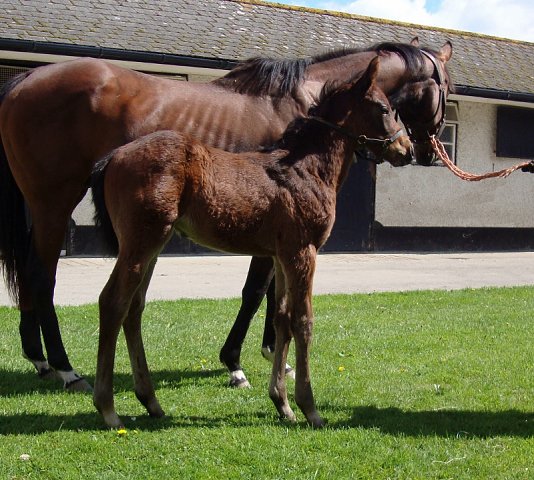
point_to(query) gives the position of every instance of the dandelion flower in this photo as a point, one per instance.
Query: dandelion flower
(121, 432)
(341, 368)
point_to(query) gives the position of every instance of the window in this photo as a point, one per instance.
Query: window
(515, 130)
(448, 136)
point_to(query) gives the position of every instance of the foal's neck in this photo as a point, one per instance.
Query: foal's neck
(325, 153)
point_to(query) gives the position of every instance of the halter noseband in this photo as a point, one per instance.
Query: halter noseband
(362, 140)
(438, 128)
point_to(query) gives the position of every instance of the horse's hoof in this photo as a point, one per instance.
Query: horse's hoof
(80, 385)
(268, 354)
(238, 380)
(44, 371)
(47, 374)
(290, 373)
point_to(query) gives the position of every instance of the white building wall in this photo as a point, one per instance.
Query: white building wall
(415, 196)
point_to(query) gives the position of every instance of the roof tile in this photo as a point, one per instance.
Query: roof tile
(238, 29)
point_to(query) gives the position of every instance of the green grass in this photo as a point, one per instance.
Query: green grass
(433, 385)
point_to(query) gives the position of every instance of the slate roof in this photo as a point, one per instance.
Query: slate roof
(236, 30)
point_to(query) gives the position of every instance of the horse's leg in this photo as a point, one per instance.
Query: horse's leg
(269, 336)
(277, 387)
(30, 333)
(114, 305)
(258, 279)
(47, 238)
(144, 387)
(299, 275)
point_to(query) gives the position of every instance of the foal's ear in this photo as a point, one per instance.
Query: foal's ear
(372, 70)
(445, 52)
(415, 42)
(368, 79)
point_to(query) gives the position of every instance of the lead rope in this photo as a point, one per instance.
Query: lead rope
(440, 151)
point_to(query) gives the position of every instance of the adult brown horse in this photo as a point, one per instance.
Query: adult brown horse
(56, 121)
(278, 203)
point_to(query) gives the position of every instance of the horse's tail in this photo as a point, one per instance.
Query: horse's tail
(14, 233)
(102, 220)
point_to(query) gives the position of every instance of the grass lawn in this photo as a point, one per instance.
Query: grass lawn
(419, 385)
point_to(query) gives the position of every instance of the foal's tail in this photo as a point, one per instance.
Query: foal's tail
(14, 232)
(102, 220)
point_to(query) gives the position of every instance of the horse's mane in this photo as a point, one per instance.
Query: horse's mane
(265, 76)
(307, 125)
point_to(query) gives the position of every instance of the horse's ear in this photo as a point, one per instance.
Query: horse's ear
(445, 52)
(415, 42)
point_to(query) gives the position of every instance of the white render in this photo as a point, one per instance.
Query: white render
(415, 196)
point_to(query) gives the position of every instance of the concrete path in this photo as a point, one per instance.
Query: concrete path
(80, 280)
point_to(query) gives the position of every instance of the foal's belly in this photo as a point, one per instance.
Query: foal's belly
(245, 239)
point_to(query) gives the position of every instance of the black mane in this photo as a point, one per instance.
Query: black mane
(265, 76)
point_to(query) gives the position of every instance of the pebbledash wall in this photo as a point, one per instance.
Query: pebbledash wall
(411, 208)
(428, 206)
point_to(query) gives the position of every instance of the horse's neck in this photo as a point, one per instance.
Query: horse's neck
(391, 75)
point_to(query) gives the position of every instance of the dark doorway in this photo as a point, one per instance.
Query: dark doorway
(355, 211)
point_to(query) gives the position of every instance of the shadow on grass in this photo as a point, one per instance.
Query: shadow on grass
(27, 382)
(442, 423)
(13, 384)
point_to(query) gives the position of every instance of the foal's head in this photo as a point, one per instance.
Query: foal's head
(360, 108)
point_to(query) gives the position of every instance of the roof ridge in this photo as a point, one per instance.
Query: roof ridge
(383, 21)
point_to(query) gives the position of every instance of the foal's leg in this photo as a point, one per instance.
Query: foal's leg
(299, 276)
(269, 335)
(277, 387)
(114, 304)
(258, 279)
(144, 388)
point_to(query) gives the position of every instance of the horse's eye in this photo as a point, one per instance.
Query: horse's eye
(384, 109)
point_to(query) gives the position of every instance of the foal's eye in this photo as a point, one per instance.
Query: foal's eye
(384, 109)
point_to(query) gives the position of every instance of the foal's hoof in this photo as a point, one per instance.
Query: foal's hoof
(316, 421)
(80, 385)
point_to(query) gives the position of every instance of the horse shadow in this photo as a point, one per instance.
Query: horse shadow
(441, 423)
(387, 420)
(23, 383)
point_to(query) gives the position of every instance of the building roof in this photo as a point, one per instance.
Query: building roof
(239, 29)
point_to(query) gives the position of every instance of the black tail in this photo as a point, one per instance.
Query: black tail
(14, 233)
(102, 221)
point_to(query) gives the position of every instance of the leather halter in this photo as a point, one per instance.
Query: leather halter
(440, 80)
(362, 140)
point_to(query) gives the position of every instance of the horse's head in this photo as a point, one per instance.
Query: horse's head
(421, 103)
(362, 111)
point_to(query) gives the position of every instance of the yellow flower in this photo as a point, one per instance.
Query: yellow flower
(121, 432)
(341, 368)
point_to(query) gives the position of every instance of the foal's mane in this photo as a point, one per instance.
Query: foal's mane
(266, 76)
